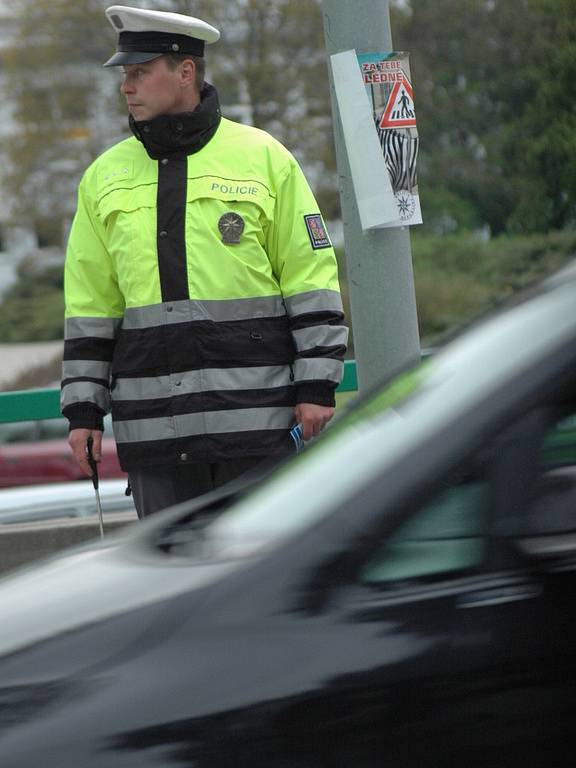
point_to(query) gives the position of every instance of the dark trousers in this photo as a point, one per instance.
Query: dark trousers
(155, 488)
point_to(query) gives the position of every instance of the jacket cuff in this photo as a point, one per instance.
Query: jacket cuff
(85, 416)
(316, 392)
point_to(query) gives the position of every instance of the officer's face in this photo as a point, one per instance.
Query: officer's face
(152, 89)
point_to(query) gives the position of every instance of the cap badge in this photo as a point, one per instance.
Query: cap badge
(231, 226)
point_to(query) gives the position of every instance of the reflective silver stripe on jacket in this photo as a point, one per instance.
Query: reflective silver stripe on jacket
(85, 392)
(206, 380)
(321, 300)
(318, 369)
(320, 336)
(95, 327)
(189, 310)
(212, 422)
(93, 369)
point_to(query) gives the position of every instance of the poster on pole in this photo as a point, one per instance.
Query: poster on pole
(389, 86)
(370, 178)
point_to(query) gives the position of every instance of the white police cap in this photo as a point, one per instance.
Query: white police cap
(145, 35)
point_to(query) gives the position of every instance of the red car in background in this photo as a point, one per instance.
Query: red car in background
(38, 452)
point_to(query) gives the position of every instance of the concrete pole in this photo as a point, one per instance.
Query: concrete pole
(378, 261)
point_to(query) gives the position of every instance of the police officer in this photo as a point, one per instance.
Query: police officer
(202, 298)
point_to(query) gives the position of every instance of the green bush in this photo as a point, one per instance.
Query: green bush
(33, 309)
(458, 277)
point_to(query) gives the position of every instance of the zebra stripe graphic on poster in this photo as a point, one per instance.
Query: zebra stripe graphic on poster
(400, 155)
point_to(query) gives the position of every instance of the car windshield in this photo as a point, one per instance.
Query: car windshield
(380, 430)
(262, 517)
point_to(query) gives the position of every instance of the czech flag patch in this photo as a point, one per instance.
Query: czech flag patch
(317, 231)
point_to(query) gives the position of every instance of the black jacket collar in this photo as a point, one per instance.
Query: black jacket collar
(184, 133)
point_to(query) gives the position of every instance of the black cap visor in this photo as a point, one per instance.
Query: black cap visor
(123, 58)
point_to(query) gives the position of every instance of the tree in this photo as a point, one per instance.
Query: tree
(485, 75)
(36, 299)
(539, 145)
(58, 105)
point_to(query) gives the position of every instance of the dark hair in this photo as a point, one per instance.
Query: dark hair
(173, 59)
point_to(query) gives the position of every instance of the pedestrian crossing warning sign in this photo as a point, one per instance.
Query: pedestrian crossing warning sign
(399, 111)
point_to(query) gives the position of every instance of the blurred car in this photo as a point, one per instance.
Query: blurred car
(62, 500)
(38, 452)
(401, 593)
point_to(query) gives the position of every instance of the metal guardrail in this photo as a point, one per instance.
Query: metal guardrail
(35, 404)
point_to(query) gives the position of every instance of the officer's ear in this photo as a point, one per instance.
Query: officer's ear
(187, 72)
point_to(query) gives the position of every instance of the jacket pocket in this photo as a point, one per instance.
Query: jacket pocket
(129, 217)
(227, 225)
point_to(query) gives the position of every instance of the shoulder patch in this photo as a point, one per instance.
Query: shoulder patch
(317, 231)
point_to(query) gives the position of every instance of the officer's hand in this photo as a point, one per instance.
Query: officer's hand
(313, 418)
(78, 442)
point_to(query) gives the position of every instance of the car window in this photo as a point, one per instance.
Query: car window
(52, 429)
(552, 505)
(445, 537)
(42, 429)
(18, 431)
(559, 446)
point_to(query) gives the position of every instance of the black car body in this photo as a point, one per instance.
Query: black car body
(402, 593)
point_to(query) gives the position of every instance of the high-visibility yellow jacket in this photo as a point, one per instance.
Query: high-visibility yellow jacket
(202, 297)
